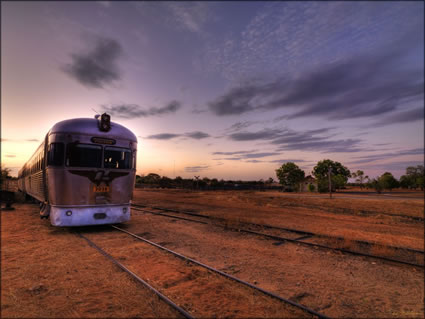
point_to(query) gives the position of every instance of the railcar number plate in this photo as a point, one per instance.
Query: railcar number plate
(101, 189)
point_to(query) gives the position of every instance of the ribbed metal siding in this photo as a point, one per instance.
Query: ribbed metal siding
(36, 185)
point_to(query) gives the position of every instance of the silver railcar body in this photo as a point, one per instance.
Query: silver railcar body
(81, 174)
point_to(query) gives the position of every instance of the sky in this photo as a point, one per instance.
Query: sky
(227, 90)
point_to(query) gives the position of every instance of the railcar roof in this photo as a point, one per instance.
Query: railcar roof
(90, 126)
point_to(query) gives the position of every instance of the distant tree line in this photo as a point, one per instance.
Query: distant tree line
(413, 179)
(153, 180)
(291, 176)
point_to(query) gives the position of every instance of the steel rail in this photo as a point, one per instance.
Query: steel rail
(298, 241)
(285, 229)
(138, 279)
(271, 294)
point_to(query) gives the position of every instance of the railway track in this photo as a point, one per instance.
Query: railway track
(301, 239)
(138, 279)
(294, 309)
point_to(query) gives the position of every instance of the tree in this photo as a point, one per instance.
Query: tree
(5, 175)
(151, 178)
(414, 177)
(374, 183)
(359, 176)
(339, 175)
(387, 181)
(290, 175)
(270, 180)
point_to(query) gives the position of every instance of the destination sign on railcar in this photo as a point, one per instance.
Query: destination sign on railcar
(102, 140)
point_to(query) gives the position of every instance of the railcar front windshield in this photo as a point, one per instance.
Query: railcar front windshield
(84, 155)
(116, 157)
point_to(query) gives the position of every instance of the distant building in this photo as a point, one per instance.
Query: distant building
(308, 180)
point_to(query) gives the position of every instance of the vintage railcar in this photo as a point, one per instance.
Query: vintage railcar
(83, 173)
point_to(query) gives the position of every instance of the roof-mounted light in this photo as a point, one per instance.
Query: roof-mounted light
(105, 122)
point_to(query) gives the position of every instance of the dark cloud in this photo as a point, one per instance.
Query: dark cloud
(325, 146)
(365, 86)
(259, 155)
(265, 134)
(128, 111)
(195, 169)
(240, 125)
(233, 153)
(236, 101)
(402, 117)
(249, 156)
(97, 67)
(197, 135)
(375, 157)
(287, 160)
(310, 140)
(228, 159)
(163, 136)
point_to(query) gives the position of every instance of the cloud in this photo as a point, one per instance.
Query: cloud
(249, 156)
(129, 111)
(294, 36)
(20, 140)
(375, 157)
(228, 159)
(326, 146)
(197, 135)
(259, 155)
(266, 134)
(105, 4)
(236, 101)
(402, 117)
(195, 169)
(97, 67)
(163, 136)
(233, 153)
(287, 160)
(240, 125)
(190, 16)
(363, 86)
(310, 140)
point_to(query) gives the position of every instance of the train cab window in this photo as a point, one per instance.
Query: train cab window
(116, 157)
(55, 154)
(83, 155)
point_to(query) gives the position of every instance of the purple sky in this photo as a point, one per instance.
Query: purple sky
(222, 89)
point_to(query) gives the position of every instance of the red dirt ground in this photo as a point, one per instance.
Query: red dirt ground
(45, 274)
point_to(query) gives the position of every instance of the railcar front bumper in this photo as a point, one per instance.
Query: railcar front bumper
(89, 215)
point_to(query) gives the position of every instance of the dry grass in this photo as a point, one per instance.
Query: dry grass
(412, 207)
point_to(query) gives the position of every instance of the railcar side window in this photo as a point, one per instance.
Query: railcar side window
(55, 154)
(116, 157)
(83, 155)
